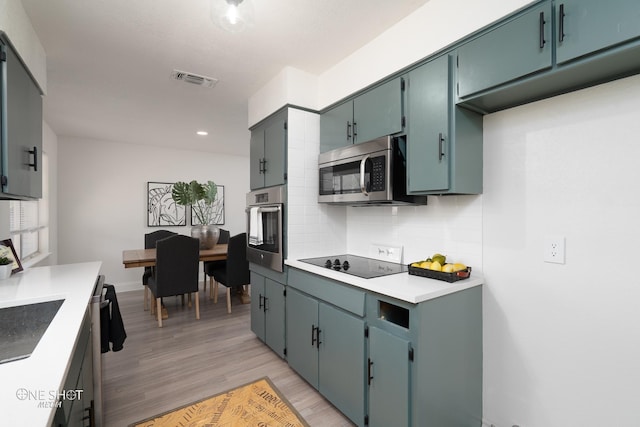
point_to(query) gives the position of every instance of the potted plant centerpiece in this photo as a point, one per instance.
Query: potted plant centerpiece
(200, 197)
(6, 266)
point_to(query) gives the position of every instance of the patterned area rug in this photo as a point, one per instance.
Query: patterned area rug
(255, 404)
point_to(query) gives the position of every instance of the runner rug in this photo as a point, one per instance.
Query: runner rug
(255, 404)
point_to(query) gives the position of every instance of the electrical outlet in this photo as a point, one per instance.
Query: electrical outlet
(386, 253)
(554, 249)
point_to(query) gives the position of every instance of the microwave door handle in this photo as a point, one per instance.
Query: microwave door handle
(363, 162)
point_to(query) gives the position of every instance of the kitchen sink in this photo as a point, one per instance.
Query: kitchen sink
(22, 326)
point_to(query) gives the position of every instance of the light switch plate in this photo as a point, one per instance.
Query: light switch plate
(386, 253)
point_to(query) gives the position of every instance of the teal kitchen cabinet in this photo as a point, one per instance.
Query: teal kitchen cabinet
(20, 127)
(584, 27)
(388, 373)
(326, 342)
(268, 147)
(444, 141)
(268, 311)
(575, 44)
(375, 113)
(516, 48)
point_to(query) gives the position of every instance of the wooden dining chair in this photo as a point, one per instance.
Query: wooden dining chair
(235, 273)
(176, 271)
(150, 240)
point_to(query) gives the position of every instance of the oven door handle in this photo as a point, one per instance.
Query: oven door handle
(266, 209)
(363, 162)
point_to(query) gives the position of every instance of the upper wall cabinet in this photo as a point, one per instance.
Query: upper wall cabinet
(517, 48)
(375, 113)
(551, 48)
(444, 142)
(20, 127)
(268, 147)
(587, 26)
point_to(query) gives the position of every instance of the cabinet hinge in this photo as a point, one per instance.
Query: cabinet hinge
(404, 121)
(285, 125)
(284, 351)
(284, 176)
(3, 56)
(366, 420)
(366, 332)
(402, 85)
(457, 62)
(411, 354)
(3, 180)
(284, 292)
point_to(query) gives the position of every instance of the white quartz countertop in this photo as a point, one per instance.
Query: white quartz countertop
(29, 387)
(402, 286)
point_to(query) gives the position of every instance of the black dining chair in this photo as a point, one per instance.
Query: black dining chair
(234, 275)
(223, 238)
(150, 240)
(176, 271)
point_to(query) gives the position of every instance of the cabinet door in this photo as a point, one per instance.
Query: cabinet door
(302, 351)
(22, 151)
(515, 49)
(586, 26)
(341, 364)
(275, 143)
(428, 105)
(256, 146)
(378, 112)
(388, 379)
(274, 309)
(257, 305)
(336, 127)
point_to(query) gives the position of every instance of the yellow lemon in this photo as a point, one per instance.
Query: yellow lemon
(447, 268)
(425, 264)
(415, 264)
(436, 266)
(459, 266)
(440, 258)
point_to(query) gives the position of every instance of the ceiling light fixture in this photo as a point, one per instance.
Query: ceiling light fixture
(232, 15)
(202, 133)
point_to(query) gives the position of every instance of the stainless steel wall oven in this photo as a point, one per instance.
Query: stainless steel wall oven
(265, 227)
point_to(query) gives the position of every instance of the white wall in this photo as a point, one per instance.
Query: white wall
(561, 343)
(102, 197)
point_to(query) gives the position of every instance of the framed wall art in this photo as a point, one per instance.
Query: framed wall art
(216, 208)
(162, 210)
(7, 250)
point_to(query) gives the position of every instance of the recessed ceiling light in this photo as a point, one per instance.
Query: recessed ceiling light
(202, 133)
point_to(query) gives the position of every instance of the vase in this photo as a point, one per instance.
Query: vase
(207, 234)
(5, 271)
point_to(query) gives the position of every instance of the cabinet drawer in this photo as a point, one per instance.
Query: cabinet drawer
(343, 296)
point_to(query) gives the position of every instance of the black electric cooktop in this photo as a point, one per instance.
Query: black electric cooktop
(367, 268)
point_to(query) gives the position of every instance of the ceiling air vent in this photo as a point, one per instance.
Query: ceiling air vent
(193, 78)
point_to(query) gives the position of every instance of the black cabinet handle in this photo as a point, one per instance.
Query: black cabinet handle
(561, 24)
(260, 302)
(440, 147)
(542, 40)
(369, 376)
(313, 335)
(264, 165)
(355, 130)
(34, 165)
(348, 130)
(264, 305)
(318, 342)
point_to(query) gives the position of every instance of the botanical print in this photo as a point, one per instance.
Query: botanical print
(216, 208)
(7, 250)
(162, 210)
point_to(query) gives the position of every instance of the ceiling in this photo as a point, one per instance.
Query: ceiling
(109, 63)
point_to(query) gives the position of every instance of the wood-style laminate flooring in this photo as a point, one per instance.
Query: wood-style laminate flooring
(186, 360)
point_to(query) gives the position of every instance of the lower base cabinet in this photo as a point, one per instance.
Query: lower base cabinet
(326, 346)
(267, 311)
(77, 407)
(388, 374)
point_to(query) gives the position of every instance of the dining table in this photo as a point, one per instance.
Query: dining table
(147, 257)
(132, 258)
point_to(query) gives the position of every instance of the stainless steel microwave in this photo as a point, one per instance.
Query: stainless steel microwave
(369, 173)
